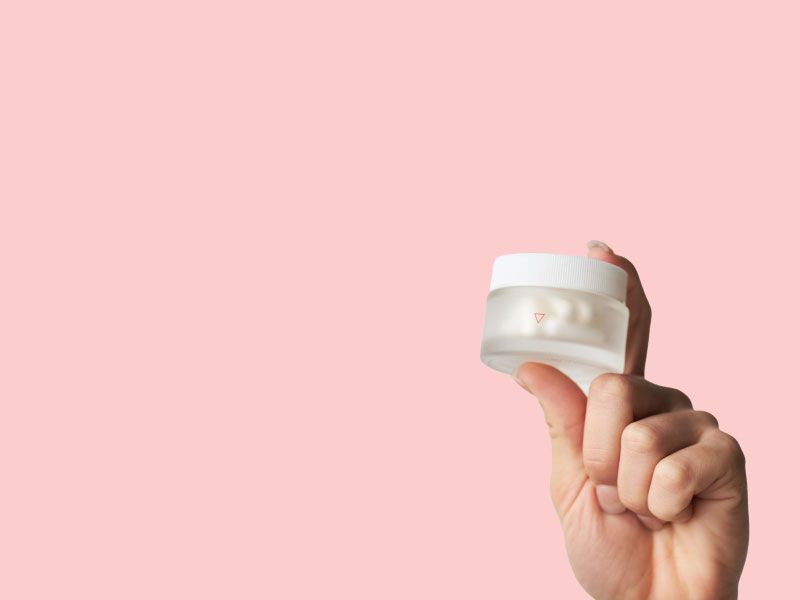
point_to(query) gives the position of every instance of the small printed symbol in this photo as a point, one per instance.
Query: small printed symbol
(539, 317)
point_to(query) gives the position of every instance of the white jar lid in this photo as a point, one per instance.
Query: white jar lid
(559, 271)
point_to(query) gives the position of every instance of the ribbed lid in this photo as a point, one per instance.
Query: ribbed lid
(559, 271)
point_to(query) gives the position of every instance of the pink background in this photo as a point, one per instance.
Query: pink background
(245, 249)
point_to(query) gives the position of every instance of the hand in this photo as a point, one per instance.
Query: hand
(651, 495)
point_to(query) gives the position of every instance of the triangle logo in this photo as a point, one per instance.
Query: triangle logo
(539, 317)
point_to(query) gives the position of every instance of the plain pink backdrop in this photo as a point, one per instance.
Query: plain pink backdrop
(245, 248)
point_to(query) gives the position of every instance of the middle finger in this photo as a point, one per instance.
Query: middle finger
(614, 401)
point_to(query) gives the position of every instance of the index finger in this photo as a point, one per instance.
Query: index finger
(639, 306)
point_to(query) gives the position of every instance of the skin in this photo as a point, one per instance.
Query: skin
(651, 494)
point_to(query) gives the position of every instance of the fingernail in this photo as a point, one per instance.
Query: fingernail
(608, 499)
(598, 244)
(651, 522)
(519, 381)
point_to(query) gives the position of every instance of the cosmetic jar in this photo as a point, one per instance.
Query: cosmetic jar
(565, 311)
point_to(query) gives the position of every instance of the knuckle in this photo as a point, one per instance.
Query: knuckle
(707, 419)
(612, 387)
(681, 399)
(641, 438)
(672, 476)
(561, 430)
(601, 383)
(676, 398)
(732, 448)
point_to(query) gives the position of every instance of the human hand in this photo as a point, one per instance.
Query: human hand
(651, 495)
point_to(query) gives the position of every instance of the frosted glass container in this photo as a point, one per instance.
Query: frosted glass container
(565, 311)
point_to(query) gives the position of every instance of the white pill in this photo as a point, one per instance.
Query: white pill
(551, 326)
(563, 308)
(585, 310)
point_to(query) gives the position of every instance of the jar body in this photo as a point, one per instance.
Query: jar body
(581, 333)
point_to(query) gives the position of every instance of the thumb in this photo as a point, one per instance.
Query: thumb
(564, 406)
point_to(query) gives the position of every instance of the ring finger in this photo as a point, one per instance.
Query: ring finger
(645, 442)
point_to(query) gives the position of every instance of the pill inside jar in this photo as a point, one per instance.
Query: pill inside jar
(565, 311)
